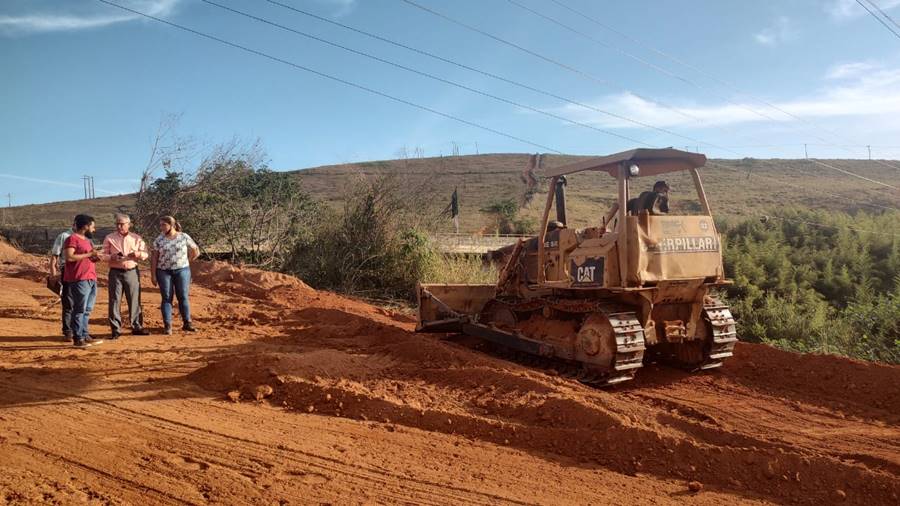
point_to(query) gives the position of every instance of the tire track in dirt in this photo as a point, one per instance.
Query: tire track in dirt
(364, 474)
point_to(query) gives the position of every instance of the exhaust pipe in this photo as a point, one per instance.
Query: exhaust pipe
(561, 200)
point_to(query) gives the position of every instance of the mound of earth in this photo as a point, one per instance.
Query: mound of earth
(288, 394)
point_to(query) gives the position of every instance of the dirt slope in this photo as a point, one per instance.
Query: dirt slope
(355, 408)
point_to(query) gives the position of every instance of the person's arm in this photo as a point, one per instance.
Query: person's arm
(107, 251)
(193, 249)
(54, 264)
(141, 253)
(153, 260)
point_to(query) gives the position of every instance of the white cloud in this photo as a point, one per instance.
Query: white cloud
(874, 94)
(45, 21)
(781, 30)
(342, 7)
(850, 70)
(846, 9)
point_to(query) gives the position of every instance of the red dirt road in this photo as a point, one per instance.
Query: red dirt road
(355, 408)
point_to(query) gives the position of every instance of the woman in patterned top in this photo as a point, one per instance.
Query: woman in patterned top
(170, 266)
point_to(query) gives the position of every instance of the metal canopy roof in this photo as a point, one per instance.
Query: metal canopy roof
(652, 162)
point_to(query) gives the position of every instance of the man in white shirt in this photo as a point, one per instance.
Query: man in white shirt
(57, 265)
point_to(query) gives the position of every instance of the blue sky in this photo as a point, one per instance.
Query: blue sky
(86, 85)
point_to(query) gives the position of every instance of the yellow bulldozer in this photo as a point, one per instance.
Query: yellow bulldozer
(600, 301)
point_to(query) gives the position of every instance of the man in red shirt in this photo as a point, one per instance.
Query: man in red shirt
(81, 275)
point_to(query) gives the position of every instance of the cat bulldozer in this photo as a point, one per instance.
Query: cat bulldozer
(599, 302)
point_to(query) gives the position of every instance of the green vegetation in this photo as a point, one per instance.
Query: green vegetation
(233, 204)
(505, 212)
(822, 282)
(374, 247)
(799, 286)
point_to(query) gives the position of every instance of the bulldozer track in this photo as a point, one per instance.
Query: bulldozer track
(724, 335)
(629, 337)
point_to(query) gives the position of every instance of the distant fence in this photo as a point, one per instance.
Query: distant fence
(39, 240)
(473, 244)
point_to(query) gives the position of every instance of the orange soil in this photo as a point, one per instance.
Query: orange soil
(338, 401)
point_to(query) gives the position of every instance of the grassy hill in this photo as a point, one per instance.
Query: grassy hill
(735, 188)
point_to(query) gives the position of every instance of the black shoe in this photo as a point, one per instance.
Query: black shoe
(115, 335)
(140, 331)
(168, 330)
(68, 337)
(81, 344)
(188, 327)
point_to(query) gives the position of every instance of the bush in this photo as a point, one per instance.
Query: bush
(817, 282)
(233, 204)
(375, 247)
(506, 214)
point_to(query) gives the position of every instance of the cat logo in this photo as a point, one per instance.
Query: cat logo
(587, 271)
(586, 274)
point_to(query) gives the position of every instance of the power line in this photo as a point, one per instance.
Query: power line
(807, 188)
(547, 59)
(885, 14)
(569, 68)
(853, 174)
(329, 76)
(877, 18)
(691, 67)
(498, 77)
(661, 70)
(425, 74)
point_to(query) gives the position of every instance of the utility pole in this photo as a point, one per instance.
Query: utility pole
(869, 147)
(88, 184)
(476, 148)
(805, 152)
(9, 200)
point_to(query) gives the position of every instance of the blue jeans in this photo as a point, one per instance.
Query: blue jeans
(174, 282)
(82, 295)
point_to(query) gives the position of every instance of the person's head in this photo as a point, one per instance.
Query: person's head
(84, 225)
(661, 187)
(169, 225)
(123, 223)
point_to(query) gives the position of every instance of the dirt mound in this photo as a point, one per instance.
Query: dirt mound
(433, 386)
(246, 281)
(862, 387)
(8, 253)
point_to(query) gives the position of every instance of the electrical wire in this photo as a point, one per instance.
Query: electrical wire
(327, 76)
(878, 19)
(853, 174)
(806, 188)
(694, 68)
(885, 14)
(427, 74)
(503, 79)
(547, 59)
(330, 77)
(530, 52)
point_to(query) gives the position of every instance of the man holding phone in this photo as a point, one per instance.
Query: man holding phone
(124, 249)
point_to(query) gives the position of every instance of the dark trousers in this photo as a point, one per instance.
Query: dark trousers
(129, 282)
(174, 283)
(66, 307)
